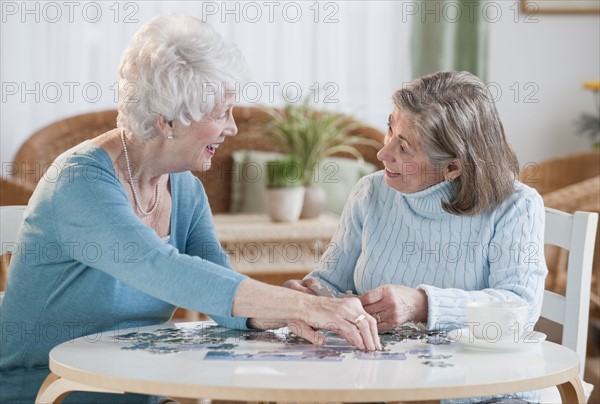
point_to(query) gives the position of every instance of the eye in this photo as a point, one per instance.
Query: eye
(225, 114)
(402, 146)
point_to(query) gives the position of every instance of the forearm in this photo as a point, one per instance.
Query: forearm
(261, 301)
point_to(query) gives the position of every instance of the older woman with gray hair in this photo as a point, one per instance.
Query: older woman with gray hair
(130, 228)
(446, 222)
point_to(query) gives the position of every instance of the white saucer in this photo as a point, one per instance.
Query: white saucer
(527, 340)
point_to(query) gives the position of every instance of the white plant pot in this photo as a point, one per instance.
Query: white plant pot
(315, 202)
(285, 204)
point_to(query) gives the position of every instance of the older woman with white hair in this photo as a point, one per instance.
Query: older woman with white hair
(125, 234)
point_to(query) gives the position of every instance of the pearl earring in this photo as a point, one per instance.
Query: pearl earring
(170, 123)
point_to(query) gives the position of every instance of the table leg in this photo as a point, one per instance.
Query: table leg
(55, 388)
(572, 391)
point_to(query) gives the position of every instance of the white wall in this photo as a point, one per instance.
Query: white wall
(548, 57)
(56, 57)
(365, 53)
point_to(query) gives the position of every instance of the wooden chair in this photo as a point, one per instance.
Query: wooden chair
(11, 218)
(575, 233)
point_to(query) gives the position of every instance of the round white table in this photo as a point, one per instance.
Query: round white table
(99, 363)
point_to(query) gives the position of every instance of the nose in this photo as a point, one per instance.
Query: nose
(231, 128)
(384, 153)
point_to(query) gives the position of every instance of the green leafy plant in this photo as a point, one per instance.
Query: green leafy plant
(284, 173)
(310, 135)
(589, 125)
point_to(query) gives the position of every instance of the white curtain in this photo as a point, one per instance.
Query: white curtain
(59, 59)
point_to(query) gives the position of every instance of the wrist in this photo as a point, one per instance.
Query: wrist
(302, 307)
(421, 307)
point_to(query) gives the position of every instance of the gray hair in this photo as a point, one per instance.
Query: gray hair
(456, 118)
(177, 67)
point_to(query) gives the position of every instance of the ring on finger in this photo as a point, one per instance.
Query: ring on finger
(359, 319)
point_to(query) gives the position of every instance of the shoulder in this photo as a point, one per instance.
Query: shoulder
(525, 193)
(86, 161)
(84, 167)
(523, 201)
(85, 152)
(79, 181)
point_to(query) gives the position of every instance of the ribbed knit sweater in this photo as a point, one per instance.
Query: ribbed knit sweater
(387, 237)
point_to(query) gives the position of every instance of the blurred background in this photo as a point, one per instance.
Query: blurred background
(59, 59)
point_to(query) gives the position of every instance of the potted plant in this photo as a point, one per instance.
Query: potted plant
(285, 189)
(589, 124)
(310, 135)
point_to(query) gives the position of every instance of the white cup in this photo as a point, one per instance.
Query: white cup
(498, 320)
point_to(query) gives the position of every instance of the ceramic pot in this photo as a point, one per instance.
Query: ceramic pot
(285, 204)
(315, 202)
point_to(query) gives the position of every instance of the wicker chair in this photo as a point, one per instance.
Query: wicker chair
(559, 172)
(41, 148)
(14, 192)
(39, 151)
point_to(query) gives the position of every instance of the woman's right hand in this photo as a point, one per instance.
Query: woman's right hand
(306, 313)
(345, 317)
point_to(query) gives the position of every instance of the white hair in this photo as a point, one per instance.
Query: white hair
(177, 67)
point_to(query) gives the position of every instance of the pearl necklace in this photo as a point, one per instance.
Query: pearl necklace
(135, 195)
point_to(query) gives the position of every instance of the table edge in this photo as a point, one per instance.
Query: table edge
(273, 394)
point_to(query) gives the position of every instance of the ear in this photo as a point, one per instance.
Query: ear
(165, 127)
(453, 170)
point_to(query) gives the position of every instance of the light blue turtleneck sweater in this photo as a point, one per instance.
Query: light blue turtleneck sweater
(85, 264)
(387, 237)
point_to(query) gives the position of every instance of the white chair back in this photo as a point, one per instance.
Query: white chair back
(11, 218)
(577, 234)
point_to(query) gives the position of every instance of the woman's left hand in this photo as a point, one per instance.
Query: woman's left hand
(393, 305)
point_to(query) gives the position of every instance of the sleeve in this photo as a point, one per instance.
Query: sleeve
(92, 215)
(516, 261)
(336, 266)
(202, 242)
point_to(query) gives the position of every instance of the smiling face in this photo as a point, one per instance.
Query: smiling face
(198, 142)
(407, 168)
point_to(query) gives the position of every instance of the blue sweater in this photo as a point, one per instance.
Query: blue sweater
(86, 264)
(386, 237)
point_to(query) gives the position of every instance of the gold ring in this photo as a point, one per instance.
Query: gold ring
(359, 319)
(378, 317)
